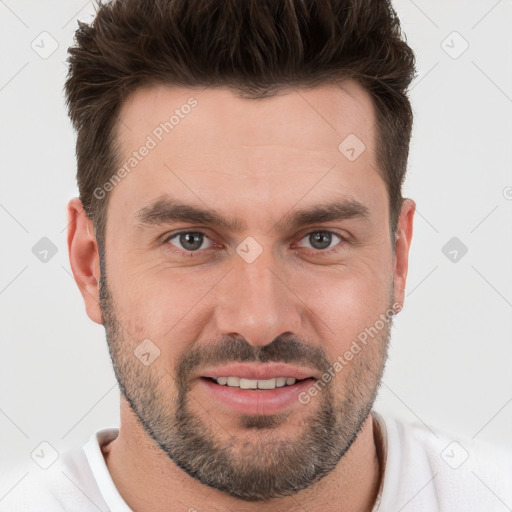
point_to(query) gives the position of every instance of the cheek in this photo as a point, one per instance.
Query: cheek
(345, 303)
(161, 304)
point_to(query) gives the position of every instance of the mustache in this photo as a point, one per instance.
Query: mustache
(230, 349)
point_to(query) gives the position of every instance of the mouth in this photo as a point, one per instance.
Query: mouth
(257, 384)
(253, 396)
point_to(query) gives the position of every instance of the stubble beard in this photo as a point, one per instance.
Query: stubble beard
(259, 465)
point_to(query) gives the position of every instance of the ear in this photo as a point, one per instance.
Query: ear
(84, 257)
(403, 239)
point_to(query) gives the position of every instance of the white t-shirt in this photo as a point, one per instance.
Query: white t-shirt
(425, 470)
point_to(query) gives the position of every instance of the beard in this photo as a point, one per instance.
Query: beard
(260, 465)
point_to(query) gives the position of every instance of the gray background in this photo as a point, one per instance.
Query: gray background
(451, 356)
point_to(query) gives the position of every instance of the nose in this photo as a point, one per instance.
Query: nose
(256, 302)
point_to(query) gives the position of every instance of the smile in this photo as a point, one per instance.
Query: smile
(237, 382)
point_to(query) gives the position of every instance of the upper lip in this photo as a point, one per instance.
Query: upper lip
(258, 371)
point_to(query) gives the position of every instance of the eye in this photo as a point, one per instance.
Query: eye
(190, 241)
(322, 240)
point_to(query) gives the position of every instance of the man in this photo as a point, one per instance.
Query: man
(242, 236)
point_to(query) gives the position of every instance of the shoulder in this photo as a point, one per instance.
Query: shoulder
(454, 472)
(68, 484)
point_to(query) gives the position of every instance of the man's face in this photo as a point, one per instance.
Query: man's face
(264, 288)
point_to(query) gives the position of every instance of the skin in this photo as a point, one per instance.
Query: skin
(255, 161)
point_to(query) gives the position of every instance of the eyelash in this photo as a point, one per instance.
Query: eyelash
(192, 254)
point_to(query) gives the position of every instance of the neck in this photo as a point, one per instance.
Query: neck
(148, 480)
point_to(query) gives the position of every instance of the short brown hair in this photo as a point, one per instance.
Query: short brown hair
(255, 47)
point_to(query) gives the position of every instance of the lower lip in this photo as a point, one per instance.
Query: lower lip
(266, 401)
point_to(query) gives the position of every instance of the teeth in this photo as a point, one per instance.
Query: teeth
(237, 382)
(248, 384)
(266, 384)
(233, 381)
(280, 382)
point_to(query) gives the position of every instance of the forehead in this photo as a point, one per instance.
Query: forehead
(293, 115)
(209, 145)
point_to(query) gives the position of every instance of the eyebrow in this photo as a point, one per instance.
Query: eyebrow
(166, 210)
